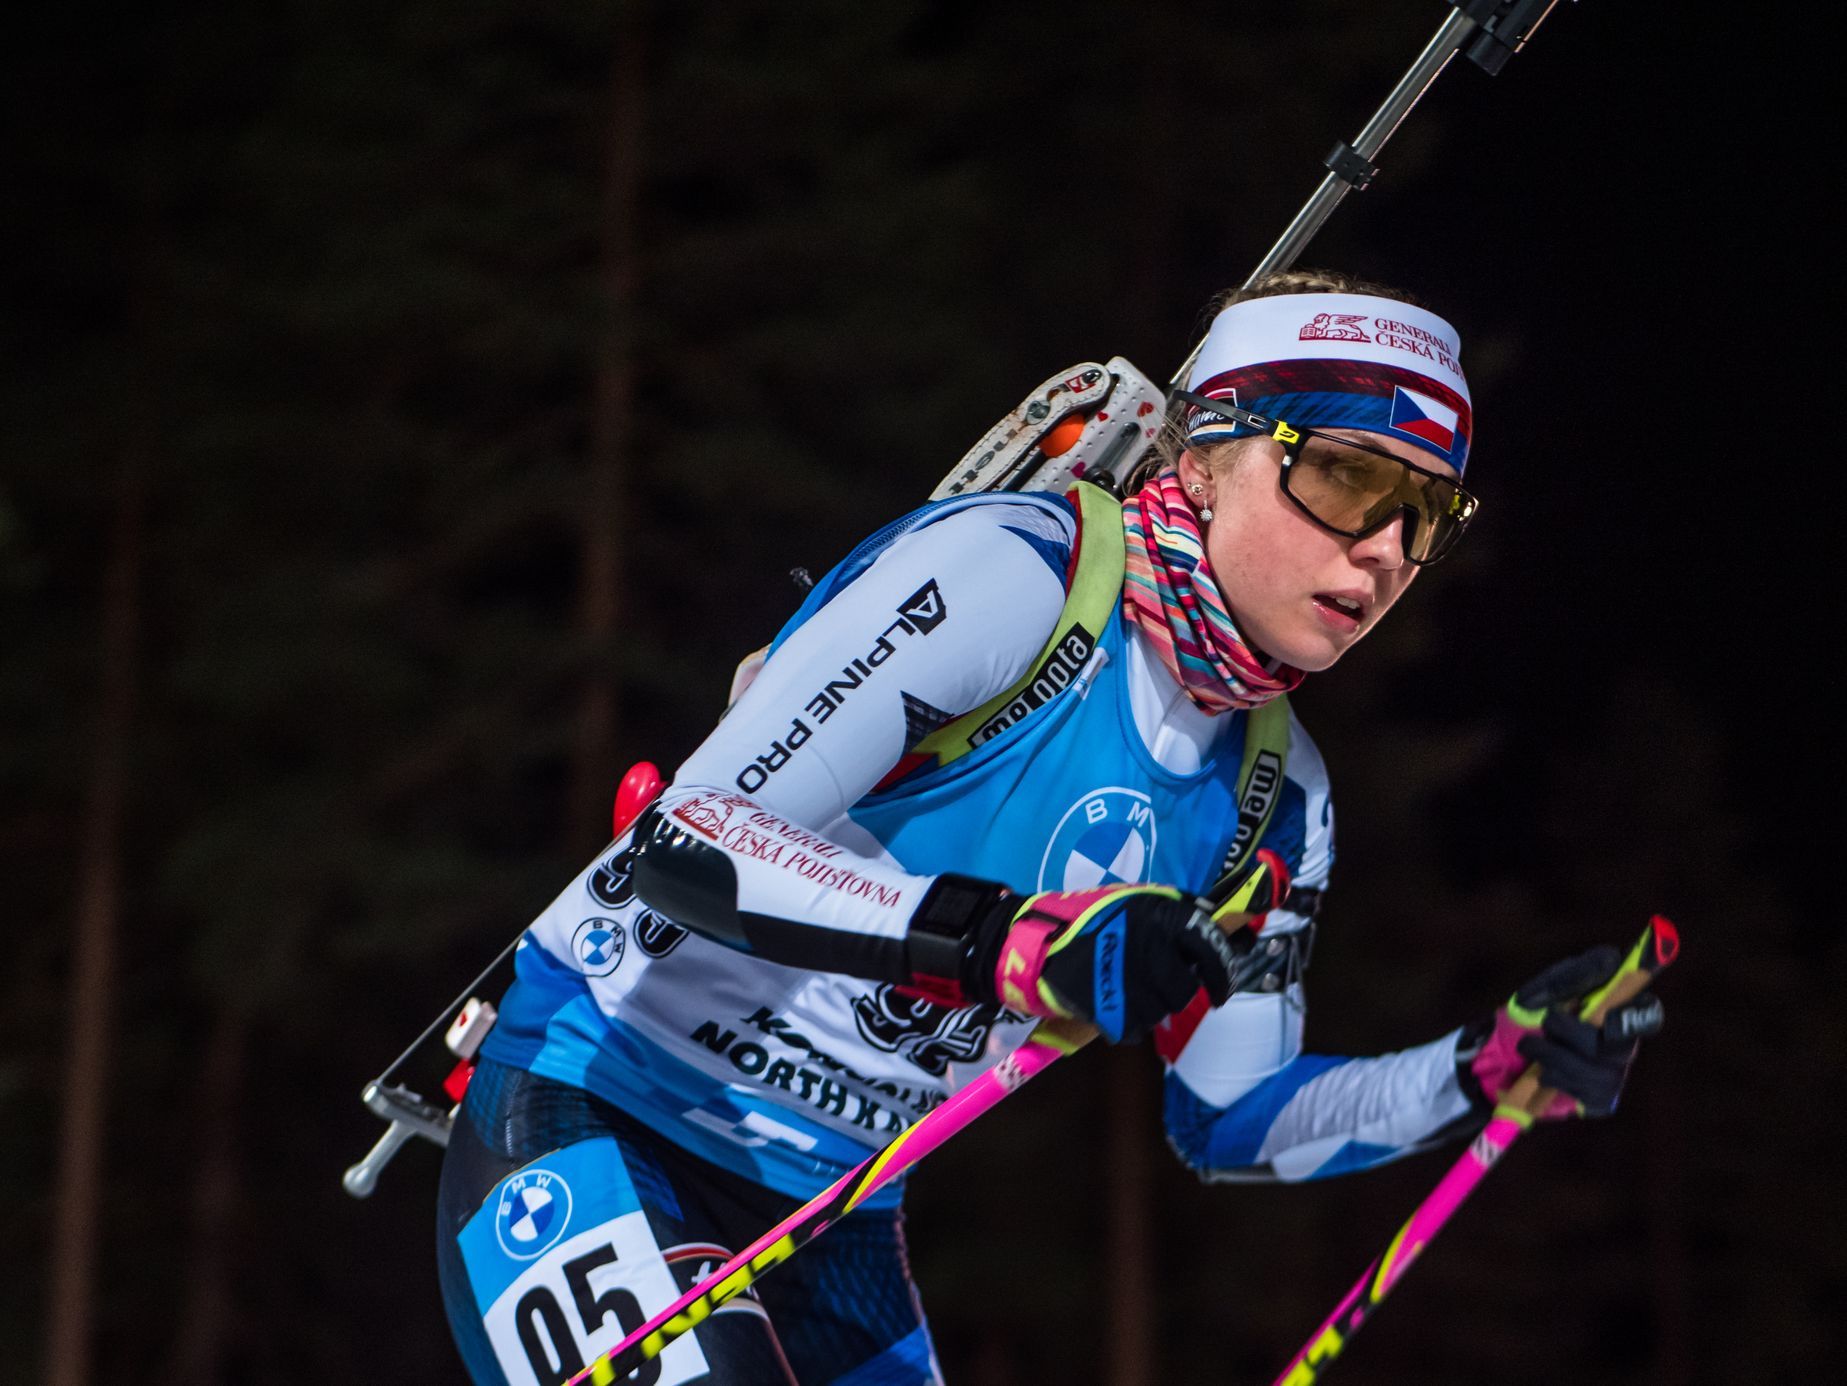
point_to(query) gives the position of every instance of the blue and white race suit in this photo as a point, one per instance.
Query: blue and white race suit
(787, 1076)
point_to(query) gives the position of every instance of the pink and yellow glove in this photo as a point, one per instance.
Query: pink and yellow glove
(1584, 1064)
(1122, 958)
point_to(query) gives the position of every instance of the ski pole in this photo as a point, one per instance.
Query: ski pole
(1049, 1042)
(1658, 946)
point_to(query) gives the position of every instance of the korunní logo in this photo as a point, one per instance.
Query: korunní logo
(1334, 327)
(534, 1210)
(597, 945)
(708, 814)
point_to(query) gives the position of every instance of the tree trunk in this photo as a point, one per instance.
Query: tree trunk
(1128, 1275)
(604, 513)
(71, 1312)
(206, 1317)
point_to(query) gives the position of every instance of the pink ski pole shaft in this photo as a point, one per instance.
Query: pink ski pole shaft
(1237, 906)
(1050, 1042)
(1658, 946)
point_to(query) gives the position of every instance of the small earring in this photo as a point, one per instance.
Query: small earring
(1205, 514)
(1198, 490)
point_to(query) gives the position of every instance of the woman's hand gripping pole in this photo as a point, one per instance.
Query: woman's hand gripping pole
(1523, 1103)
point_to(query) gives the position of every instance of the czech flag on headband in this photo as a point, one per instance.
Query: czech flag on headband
(1424, 417)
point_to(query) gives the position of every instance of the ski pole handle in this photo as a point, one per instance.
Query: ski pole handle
(1232, 908)
(1658, 946)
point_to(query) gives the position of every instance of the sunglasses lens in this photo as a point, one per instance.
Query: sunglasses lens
(1354, 491)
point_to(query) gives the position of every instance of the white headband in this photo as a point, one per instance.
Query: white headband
(1337, 361)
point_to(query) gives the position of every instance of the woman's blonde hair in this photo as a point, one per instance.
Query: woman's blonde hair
(1171, 441)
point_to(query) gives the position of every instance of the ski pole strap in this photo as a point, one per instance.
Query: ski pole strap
(1658, 946)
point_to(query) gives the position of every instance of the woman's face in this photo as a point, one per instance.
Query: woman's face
(1296, 591)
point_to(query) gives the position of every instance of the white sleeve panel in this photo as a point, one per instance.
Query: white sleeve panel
(788, 872)
(1253, 1036)
(1395, 1100)
(950, 615)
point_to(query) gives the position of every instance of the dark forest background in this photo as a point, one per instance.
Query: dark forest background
(411, 411)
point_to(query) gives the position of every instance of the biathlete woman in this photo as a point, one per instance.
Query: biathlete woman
(931, 820)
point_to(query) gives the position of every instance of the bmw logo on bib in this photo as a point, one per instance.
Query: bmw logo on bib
(1105, 838)
(598, 945)
(534, 1209)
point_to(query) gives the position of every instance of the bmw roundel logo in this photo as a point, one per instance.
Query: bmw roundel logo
(534, 1210)
(1105, 838)
(597, 945)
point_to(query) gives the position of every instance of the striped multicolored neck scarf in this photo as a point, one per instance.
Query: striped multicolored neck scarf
(1168, 591)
